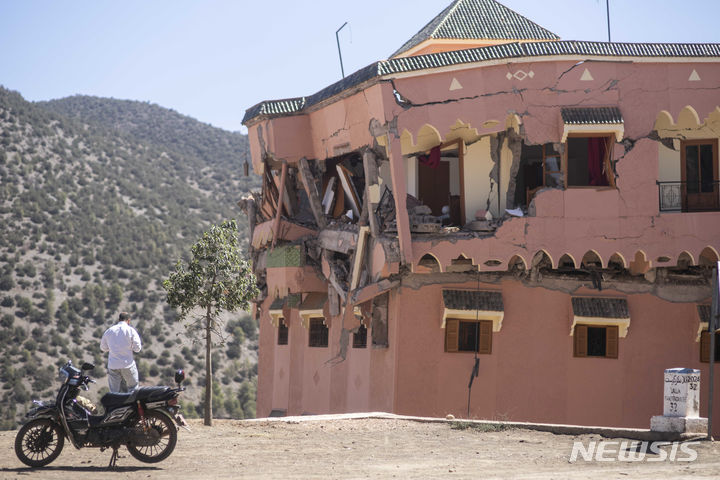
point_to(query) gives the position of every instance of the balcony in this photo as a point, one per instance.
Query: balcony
(689, 196)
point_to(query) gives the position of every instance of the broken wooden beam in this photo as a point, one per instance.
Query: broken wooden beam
(310, 186)
(372, 190)
(278, 213)
(358, 257)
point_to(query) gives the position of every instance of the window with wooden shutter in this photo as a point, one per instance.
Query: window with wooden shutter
(485, 343)
(611, 342)
(580, 341)
(596, 341)
(468, 336)
(705, 346)
(452, 330)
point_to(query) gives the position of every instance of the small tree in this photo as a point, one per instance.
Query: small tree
(216, 279)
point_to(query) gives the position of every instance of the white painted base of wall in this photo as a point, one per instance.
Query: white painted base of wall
(660, 423)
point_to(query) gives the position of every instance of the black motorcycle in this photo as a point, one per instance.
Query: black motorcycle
(142, 420)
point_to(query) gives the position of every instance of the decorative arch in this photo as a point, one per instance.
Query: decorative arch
(427, 137)
(542, 259)
(591, 259)
(688, 118)
(708, 256)
(685, 260)
(567, 261)
(428, 263)
(664, 121)
(688, 125)
(517, 264)
(617, 261)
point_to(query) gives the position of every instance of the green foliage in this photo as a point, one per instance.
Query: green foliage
(216, 279)
(98, 198)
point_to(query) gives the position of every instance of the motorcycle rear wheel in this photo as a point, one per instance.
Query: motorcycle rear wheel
(165, 442)
(39, 442)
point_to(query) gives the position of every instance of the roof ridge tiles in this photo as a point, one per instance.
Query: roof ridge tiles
(428, 61)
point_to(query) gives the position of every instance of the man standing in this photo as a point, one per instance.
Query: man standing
(121, 340)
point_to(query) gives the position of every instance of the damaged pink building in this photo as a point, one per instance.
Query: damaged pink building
(550, 208)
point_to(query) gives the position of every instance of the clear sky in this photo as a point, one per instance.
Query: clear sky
(212, 59)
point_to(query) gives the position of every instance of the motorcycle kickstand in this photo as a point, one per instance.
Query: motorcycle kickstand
(113, 458)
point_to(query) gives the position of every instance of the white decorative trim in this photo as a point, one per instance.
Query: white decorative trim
(623, 324)
(275, 316)
(520, 75)
(306, 315)
(617, 128)
(494, 316)
(455, 85)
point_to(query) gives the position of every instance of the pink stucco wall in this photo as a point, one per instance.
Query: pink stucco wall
(531, 374)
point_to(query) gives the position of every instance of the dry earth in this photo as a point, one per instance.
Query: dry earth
(360, 448)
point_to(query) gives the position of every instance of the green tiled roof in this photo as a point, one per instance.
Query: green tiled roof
(507, 51)
(599, 307)
(486, 301)
(704, 313)
(478, 19)
(285, 256)
(591, 115)
(314, 301)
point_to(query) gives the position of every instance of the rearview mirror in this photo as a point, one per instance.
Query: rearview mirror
(179, 376)
(87, 366)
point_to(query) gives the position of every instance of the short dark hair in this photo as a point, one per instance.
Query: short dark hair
(124, 316)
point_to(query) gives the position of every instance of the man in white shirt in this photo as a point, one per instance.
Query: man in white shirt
(121, 340)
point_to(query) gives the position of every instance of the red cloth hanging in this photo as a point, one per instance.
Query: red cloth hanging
(433, 159)
(596, 155)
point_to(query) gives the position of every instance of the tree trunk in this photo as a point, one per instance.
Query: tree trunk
(208, 369)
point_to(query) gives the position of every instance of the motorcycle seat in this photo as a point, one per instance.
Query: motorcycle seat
(142, 394)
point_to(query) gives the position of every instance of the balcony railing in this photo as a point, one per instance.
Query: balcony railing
(689, 196)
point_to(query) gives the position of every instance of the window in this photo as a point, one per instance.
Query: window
(439, 174)
(588, 162)
(360, 337)
(596, 341)
(705, 346)
(318, 333)
(699, 172)
(282, 338)
(468, 336)
(552, 169)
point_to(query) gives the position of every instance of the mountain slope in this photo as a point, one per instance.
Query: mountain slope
(98, 199)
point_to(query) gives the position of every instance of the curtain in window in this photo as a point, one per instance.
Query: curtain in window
(596, 158)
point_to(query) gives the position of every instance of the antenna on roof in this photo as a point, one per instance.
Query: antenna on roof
(607, 4)
(337, 38)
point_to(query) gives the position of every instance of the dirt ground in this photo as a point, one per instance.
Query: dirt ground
(362, 448)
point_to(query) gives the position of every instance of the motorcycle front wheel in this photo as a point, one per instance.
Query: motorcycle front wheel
(158, 441)
(39, 442)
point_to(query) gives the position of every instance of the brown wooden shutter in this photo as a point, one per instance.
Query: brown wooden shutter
(611, 341)
(705, 346)
(485, 337)
(452, 333)
(607, 165)
(580, 340)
